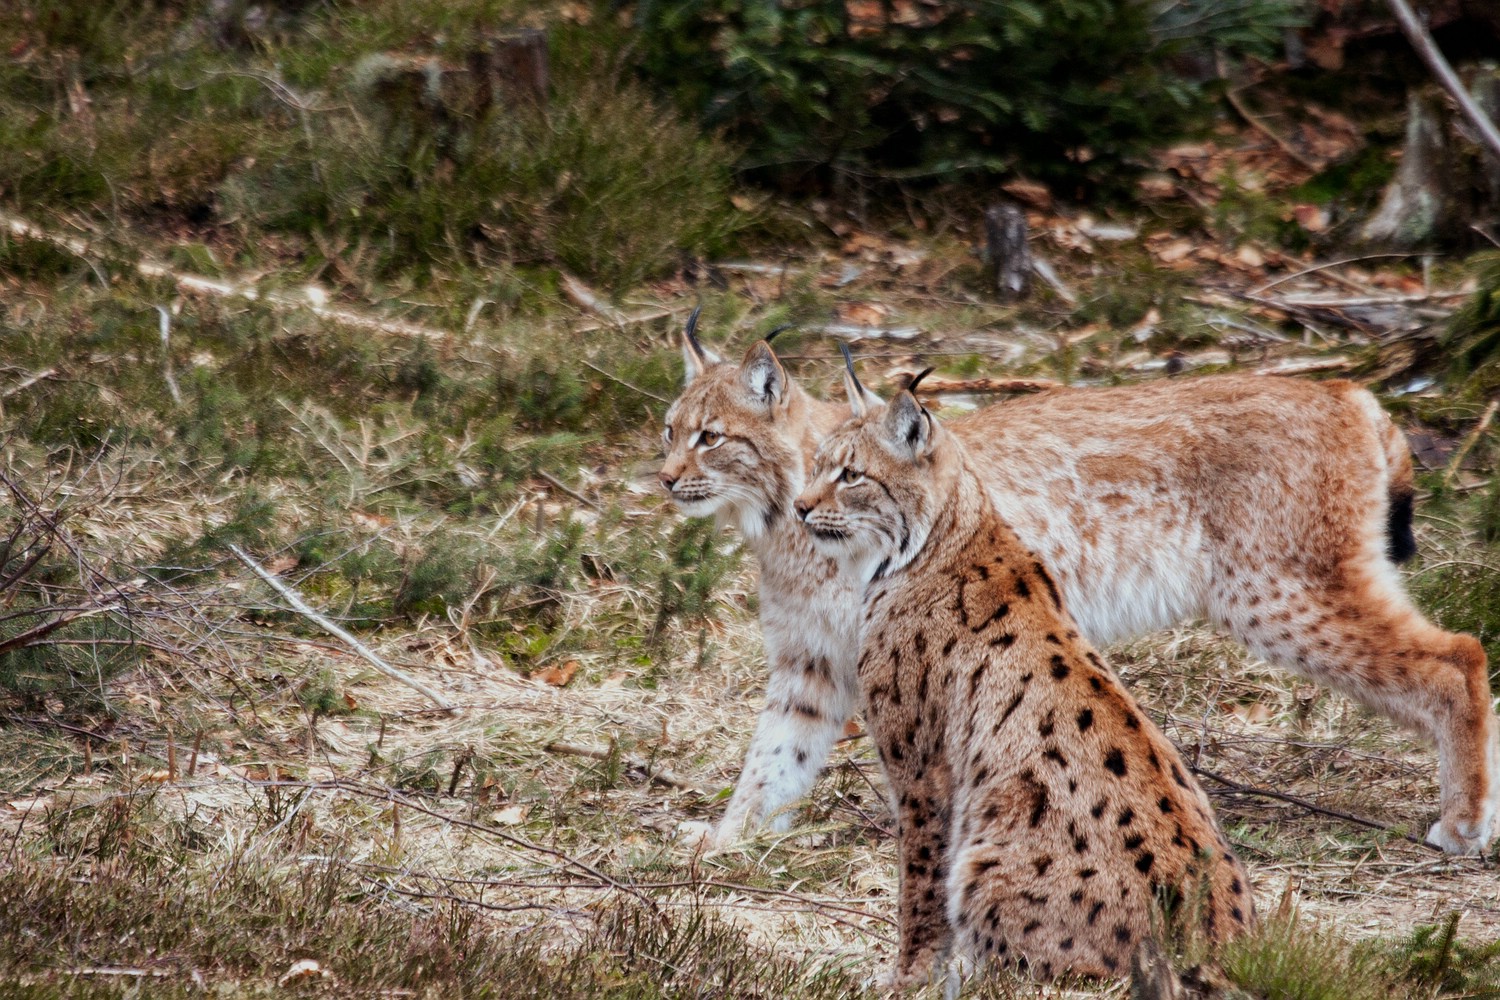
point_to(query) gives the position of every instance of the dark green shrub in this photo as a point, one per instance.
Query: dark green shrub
(1066, 89)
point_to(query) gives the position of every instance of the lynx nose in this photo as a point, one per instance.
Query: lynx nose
(667, 480)
(802, 507)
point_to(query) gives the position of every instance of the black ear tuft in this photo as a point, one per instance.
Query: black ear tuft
(780, 329)
(849, 363)
(691, 331)
(911, 386)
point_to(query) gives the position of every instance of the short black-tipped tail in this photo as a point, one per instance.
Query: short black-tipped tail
(1400, 543)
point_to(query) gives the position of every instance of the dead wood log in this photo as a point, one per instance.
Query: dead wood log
(1418, 202)
(1421, 40)
(1009, 251)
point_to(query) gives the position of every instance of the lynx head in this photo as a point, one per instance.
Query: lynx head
(732, 439)
(878, 482)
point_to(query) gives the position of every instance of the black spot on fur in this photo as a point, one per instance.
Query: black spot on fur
(1060, 668)
(810, 711)
(1114, 762)
(1094, 912)
(1238, 914)
(1085, 720)
(1122, 933)
(1041, 865)
(1099, 808)
(1056, 757)
(1003, 641)
(1087, 873)
(1066, 944)
(948, 646)
(1164, 804)
(1134, 841)
(1177, 776)
(1015, 703)
(802, 756)
(1237, 887)
(1131, 721)
(1053, 639)
(1045, 728)
(1023, 589)
(1030, 926)
(1127, 816)
(1144, 862)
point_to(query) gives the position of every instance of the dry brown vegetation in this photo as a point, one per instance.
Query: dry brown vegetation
(433, 424)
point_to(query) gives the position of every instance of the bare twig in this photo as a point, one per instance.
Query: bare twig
(1470, 440)
(1305, 367)
(301, 607)
(28, 382)
(1315, 268)
(1266, 793)
(553, 481)
(1232, 95)
(311, 298)
(1422, 41)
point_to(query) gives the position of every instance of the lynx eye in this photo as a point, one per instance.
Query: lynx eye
(667, 433)
(849, 476)
(709, 438)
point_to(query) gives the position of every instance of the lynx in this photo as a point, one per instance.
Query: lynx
(1040, 813)
(1274, 508)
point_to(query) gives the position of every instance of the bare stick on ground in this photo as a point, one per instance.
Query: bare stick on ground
(1489, 134)
(300, 606)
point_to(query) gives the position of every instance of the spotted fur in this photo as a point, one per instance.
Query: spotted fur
(1268, 506)
(1042, 815)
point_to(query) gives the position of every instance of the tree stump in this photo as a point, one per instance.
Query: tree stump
(1418, 202)
(1009, 252)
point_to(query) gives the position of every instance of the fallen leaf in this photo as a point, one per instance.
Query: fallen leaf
(157, 777)
(510, 815)
(1253, 712)
(301, 970)
(281, 564)
(1034, 193)
(1313, 218)
(863, 313)
(614, 680)
(1173, 252)
(559, 675)
(852, 729)
(1249, 256)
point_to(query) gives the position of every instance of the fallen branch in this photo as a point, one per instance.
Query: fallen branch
(1422, 41)
(1232, 95)
(1266, 793)
(28, 382)
(311, 298)
(553, 481)
(1470, 440)
(302, 608)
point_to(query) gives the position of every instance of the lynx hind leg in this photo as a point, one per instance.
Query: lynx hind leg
(808, 700)
(1364, 638)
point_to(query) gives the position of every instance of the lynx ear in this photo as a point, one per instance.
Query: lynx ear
(861, 400)
(762, 374)
(909, 428)
(695, 357)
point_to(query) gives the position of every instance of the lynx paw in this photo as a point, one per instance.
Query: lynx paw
(1465, 838)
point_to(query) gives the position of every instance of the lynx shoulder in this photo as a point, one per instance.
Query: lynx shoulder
(1042, 815)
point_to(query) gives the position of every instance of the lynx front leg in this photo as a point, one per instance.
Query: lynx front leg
(922, 913)
(808, 700)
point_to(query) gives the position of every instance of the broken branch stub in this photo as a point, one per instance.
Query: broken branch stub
(1009, 251)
